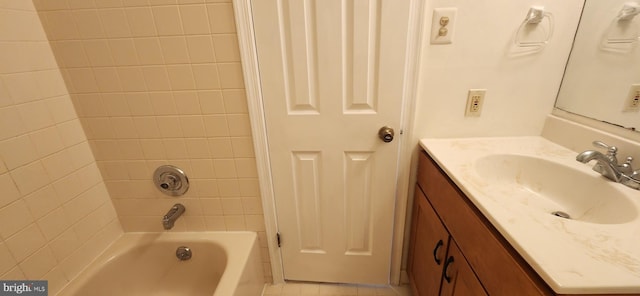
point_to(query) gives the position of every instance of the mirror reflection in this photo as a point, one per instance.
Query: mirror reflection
(602, 79)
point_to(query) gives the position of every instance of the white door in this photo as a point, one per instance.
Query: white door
(332, 74)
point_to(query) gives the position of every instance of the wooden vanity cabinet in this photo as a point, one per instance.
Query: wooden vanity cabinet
(457, 277)
(437, 266)
(428, 249)
(483, 261)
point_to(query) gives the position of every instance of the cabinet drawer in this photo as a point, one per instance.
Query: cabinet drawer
(497, 265)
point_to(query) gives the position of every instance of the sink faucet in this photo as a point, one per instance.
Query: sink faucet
(608, 165)
(603, 166)
(170, 218)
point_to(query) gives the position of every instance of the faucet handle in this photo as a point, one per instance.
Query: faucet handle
(611, 150)
(626, 168)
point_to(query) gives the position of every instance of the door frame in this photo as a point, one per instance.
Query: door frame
(251, 73)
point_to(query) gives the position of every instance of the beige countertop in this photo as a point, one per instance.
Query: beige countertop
(572, 256)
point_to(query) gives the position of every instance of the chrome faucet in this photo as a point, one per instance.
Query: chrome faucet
(603, 166)
(608, 165)
(170, 218)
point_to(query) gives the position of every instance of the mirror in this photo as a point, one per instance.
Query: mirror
(602, 78)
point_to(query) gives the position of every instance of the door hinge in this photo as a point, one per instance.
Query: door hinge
(278, 238)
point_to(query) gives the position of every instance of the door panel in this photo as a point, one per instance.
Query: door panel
(332, 74)
(306, 184)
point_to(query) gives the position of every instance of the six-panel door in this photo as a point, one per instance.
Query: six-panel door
(332, 74)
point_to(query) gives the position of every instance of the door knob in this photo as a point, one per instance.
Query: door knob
(386, 134)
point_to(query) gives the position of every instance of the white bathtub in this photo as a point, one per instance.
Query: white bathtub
(222, 264)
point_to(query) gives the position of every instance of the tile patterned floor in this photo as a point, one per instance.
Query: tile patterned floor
(317, 289)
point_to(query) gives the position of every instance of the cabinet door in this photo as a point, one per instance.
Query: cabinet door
(428, 248)
(457, 277)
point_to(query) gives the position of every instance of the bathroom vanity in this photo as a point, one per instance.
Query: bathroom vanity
(483, 224)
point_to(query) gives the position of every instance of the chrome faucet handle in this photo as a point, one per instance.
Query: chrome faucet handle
(633, 173)
(626, 167)
(612, 151)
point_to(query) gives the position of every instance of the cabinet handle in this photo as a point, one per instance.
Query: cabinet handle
(446, 268)
(435, 252)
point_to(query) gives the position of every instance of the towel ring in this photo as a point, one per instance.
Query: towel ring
(535, 16)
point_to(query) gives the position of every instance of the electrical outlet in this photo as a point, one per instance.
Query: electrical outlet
(632, 103)
(443, 25)
(475, 99)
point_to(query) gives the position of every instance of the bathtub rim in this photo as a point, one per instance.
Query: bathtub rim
(237, 245)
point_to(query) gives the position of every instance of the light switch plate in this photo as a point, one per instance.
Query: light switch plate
(443, 25)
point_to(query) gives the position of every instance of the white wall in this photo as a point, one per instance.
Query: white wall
(521, 89)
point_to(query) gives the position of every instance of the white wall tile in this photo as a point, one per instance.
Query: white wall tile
(42, 202)
(58, 165)
(194, 19)
(13, 218)
(30, 177)
(114, 22)
(207, 76)
(231, 75)
(141, 21)
(193, 127)
(226, 47)
(53, 224)
(10, 192)
(181, 77)
(108, 3)
(156, 78)
(98, 52)
(11, 121)
(6, 259)
(201, 49)
(132, 79)
(123, 52)
(150, 88)
(36, 115)
(167, 20)
(107, 79)
(56, 280)
(18, 151)
(212, 102)
(149, 51)
(38, 264)
(235, 101)
(221, 18)
(197, 148)
(25, 242)
(187, 102)
(88, 23)
(216, 125)
(174, 49)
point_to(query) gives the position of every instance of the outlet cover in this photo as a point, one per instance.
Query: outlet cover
(475, 100)
(632, 102)
(443, 25)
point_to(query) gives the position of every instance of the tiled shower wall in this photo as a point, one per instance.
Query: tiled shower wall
(55, 212)
(160, 82)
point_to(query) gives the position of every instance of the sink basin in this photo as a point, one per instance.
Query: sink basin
(555, 188)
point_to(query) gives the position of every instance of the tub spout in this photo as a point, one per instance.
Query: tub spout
(170, 218)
